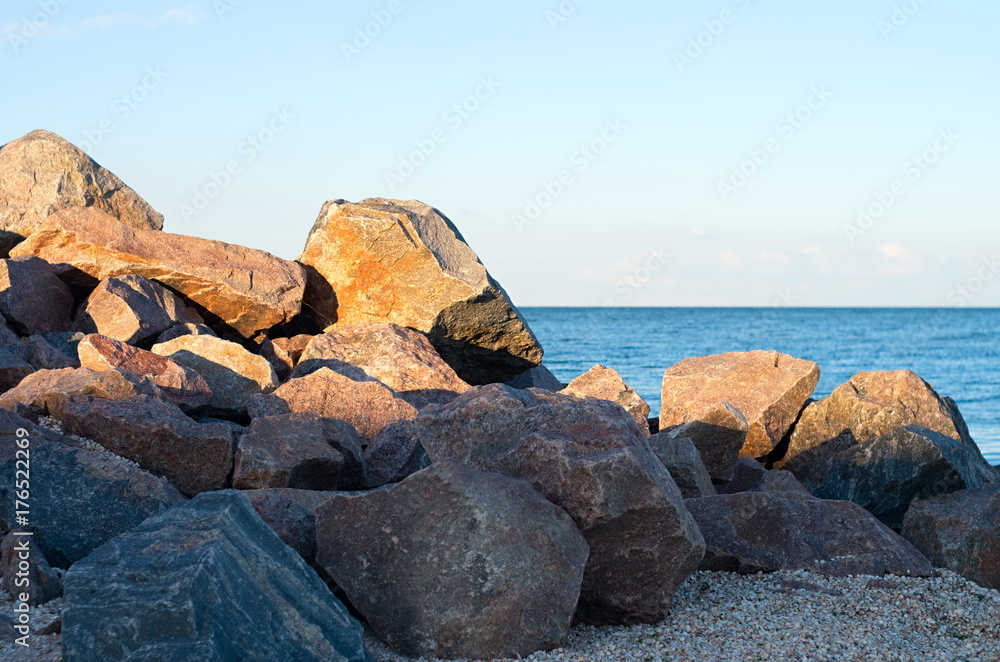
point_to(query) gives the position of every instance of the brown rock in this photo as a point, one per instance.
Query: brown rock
(158, 437)
(41, 174)
(682, 460)
(286, 451)
(588, 457)
(284, 353)
(606, 384)
(394, 454)
(769, 388)
(32, 297)
(405, 263)
(750, 476)
(241, 288)
(44, 392)
(292, 515)
(21, 559)
(182, 385)
(462, 563)
(719, 433)
(768, 531)
(13, 368)
(52, 351)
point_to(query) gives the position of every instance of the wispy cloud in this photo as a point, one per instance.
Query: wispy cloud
(187, 15)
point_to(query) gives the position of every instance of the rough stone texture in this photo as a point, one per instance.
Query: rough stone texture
(606, 384)
(132, 309)
(92, 500)
(292, 515)
(241, 288)
(158, 437)
(286, 451)
(537, 377)
(231, 371)
(586, 456)
(182, 385)
(284, 353)
(885, 475)
(719, 433)
(404, 262)
(179, 330)
(42, 173)
(52, 351)
(401, 358)
(45, 391)
(769, 388)
(369, 406)
(344, 438)
(463, 564)
(767, 531)
(13, 368)
(42, 583)
(32, 297)
(959, 531)
(394, 454)
(207, 580)
(872, 404)
(750, 476)
(682, 460)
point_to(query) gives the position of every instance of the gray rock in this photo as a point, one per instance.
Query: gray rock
(46, 352)
(292, 515)
(537, 377)
(26, 572)
(394, 454)
(32, 297)
(286, 451)
(719, 433)
(7, 631)
(682, 460)
(207, 580)
(342, 436)
(750, 476)
(178, 330)
(13, 368)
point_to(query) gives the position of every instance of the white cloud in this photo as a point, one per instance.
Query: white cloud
(189, 15)
(780, 257)
(819, 258)
(900, 259)
(729, 260)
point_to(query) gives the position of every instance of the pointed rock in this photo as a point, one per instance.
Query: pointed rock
(606, 384)
(683, 461)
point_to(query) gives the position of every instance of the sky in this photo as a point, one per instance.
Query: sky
(721, 153)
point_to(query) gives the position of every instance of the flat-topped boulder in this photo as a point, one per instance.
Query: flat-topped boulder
(42, 173)
(606, 384)
(404, 262)
(768, 388)
(243, 289)
(32, 298)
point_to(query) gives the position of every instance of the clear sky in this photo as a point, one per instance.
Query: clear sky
(592, 152)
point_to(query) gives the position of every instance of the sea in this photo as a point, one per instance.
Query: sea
(956, 350)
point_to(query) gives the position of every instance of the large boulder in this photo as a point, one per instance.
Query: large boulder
(182, 385)
(237, 288)
(606, 384)
(158, 437)
(42, 173)
(886, 474)
(233, 373)
(682, 460)
(750, 476)
(286, 451)
(719, 433)
(25, 570)
(404, 262)
(80, 498)
(589, 457)
(292, 515)
(32, 297)
(873, 404)
(44, 392)
(205, 581)
(959, 531)
(462, 563)
(768, 388)
(767, 531)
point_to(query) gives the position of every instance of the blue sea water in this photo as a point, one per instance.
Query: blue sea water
(956, 350)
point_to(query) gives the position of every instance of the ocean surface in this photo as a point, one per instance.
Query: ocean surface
(955, 350)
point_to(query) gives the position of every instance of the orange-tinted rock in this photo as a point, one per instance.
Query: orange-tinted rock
(132, 309)
(606, 384)
(32, 297)
(45, 391)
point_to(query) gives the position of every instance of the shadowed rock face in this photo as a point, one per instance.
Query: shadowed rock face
(683, 461)
(606, 384)
(404, 262)
(719, 433)
(207, 580)
(42, 173)
(43, 584)
(462, 563)
(750, 476)
(286, 451)
(32, 297)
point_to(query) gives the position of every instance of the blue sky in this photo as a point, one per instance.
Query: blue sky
(627, 153)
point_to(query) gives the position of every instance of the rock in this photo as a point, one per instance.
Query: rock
(368, 406)
(207, 580)
(959, 531)
(606, 384)
(394, 454)
(42, 173)
(242, 289)
(537, 377)
(32, 297)
(344, 439)
(405, 263)
(233, 374)
(286, 451)
(25, 571)
(182, 385)
(13, 369)
(284, 353)
(158, 437)
(94, 499)
(768, 531)
(769, 388)
(292, 515)
(750, 476)
(7, 631)
(719, 433)
(463, 564)
(178, 330)
(132, 309)
(682, 460)
(588, 457)
(872, 404)
(885, 475)
(45, 391)
(52, 351)
(401, 358)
